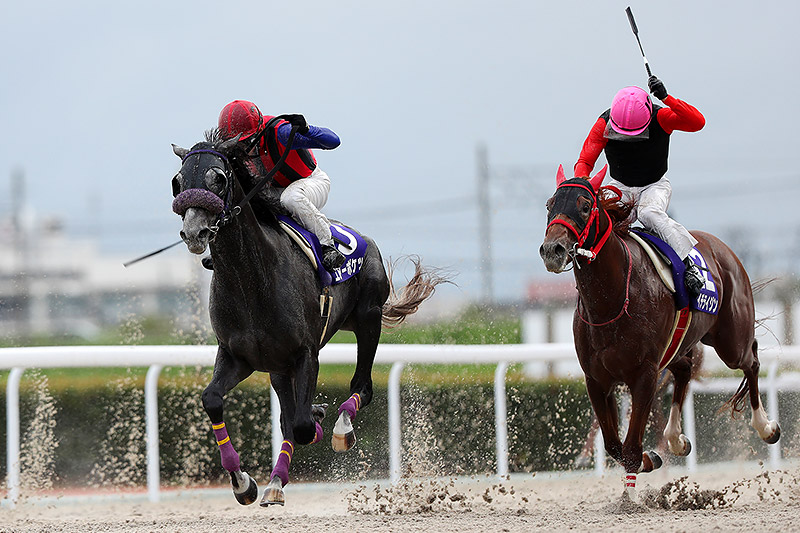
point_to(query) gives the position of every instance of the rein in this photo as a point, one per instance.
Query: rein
(228, 213)
(624, 310)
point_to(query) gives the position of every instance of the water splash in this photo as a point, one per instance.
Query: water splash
(39, 443)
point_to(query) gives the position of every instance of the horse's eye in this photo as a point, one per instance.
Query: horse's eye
(176, 185)
(215, 180)
(549, 204)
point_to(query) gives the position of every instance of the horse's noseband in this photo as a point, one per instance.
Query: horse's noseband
(201, 198)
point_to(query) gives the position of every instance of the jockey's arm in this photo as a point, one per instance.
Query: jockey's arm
(316, 138)
(679, 116)
(592, 148)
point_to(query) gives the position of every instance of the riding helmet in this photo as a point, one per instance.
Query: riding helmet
(240, 116)
(631, 111)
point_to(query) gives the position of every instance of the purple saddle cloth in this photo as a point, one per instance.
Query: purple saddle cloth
(708, 299)
(346, 240)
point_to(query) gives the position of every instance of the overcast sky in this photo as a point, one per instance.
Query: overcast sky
(93, 93)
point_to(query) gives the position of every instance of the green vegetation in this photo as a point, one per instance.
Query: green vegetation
(473, 326)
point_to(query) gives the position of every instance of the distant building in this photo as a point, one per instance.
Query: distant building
(54, 285)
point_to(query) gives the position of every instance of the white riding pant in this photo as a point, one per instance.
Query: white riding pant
(304, 198)
(650, 208)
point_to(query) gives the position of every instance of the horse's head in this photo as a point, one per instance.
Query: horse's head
(202, 190)
(572, 220)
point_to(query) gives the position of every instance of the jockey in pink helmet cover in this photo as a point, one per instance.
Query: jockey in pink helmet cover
(634, 134)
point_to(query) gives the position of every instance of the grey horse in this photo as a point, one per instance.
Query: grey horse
(265, 306)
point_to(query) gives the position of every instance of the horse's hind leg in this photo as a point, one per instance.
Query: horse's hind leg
(368, 331)
(681, 369)
(767, 429)
(228, 372)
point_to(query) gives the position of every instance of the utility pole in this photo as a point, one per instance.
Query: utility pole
(484, 226)
(20, 251)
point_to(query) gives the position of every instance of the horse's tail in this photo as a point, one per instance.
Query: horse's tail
(406, 302)
(737, 402)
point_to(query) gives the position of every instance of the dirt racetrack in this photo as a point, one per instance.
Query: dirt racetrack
(732, 497)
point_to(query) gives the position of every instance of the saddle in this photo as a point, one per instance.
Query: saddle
(671, 270)
(347, 240)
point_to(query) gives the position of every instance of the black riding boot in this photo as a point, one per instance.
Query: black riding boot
(331, 257)
(692, 278)
(207, 262)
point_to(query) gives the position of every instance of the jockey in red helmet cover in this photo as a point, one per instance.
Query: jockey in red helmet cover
(304, 186)
(634, 134)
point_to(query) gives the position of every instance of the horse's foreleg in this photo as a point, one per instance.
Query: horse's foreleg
(678, 444)
(605, 409)
(299, 420)
(368, 332)
(633, 458)
(228, 372)
(279, 477)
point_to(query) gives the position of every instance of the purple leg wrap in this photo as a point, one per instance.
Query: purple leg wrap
(352, 405)
(318, 436)
(284, 460)
(230, 459)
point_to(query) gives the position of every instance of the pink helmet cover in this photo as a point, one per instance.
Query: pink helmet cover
(631, 111)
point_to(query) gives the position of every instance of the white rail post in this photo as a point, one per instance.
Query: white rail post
(599, 454)
(151, 424)
(772, 408)
(501, 419)
(12, 433)
(691, 430)
(275, 417)
(395, 430)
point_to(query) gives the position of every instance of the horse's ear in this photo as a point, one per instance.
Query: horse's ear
(230, 143)
(560, 176)
(597, 179)
(180, 152)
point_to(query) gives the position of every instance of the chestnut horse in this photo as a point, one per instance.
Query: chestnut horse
(625, 314)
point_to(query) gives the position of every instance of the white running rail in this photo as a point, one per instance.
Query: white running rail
(156, 357)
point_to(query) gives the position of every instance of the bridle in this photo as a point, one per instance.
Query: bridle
(589, 231)
(585, 231)
(225, 212)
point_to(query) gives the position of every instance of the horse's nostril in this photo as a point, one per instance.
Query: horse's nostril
(553, 249)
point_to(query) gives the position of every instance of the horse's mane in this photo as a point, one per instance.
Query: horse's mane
(617, 207)
(214, 136)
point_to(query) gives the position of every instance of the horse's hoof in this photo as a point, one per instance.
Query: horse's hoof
(344, 436)
(273, 494)
(318, 412)
(342, 443)
(685, 447)
(245, 488)
(775, 435)
(651, 461)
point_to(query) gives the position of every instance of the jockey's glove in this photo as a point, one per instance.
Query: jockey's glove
(657, 87)
(299, 121)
